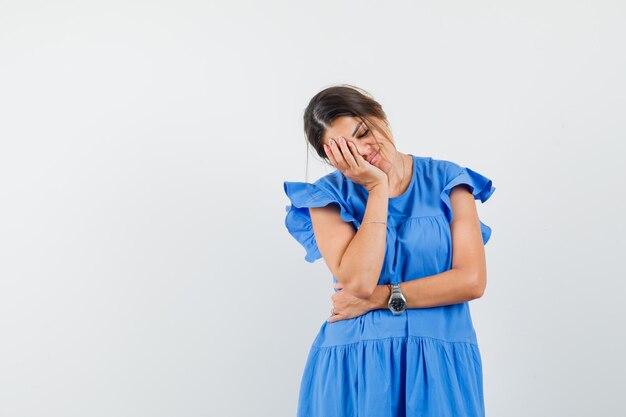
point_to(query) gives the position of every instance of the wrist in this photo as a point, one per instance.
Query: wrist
(378, 188)
(380, 297)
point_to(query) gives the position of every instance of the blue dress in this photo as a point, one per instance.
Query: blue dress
(424, 362)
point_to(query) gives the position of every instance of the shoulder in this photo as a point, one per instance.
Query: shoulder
(444, 168)
(436, 171)
(304, 196)
(330, 180)
(336, 185)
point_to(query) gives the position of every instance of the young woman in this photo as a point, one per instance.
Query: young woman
(401, 236)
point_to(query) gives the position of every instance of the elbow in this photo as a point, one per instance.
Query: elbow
(478, 292)
(477, 285)
(360, 291)
(357, 287)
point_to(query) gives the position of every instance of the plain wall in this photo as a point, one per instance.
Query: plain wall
(145, 268)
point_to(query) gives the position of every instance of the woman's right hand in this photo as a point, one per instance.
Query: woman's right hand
(345, 157)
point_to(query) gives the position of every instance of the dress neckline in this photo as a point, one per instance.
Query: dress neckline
(408, 188)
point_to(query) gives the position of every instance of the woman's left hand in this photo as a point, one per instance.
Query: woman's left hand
(346, 305)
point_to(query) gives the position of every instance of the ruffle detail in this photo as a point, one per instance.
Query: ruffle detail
(304, 195)
(481, 188)
(399, 376)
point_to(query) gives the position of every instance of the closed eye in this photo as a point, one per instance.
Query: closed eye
(363, 134)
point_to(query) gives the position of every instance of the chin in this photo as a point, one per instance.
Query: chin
(382, 165)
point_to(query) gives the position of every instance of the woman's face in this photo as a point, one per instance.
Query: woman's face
(369, 144)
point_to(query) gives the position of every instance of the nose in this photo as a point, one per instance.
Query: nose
(367, 150)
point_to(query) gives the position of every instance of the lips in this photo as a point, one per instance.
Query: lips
(372, 157)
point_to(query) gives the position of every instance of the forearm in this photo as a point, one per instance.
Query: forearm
(362, 261)
(449, 287)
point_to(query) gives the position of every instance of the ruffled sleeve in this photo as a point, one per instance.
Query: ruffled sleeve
(480, 186)
(304, 195)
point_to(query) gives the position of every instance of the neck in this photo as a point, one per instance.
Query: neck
(399, 175)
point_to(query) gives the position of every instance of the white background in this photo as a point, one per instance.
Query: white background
(145, 269)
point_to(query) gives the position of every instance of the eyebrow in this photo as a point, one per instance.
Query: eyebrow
(356, 128)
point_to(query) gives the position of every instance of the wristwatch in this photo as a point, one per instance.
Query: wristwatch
(397, 302)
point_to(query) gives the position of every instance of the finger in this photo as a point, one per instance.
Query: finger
(339, 159)
(329, 153)
(357, 156)
(347, 153)
(334, 318)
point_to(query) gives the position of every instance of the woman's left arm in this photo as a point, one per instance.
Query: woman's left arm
(467, 278)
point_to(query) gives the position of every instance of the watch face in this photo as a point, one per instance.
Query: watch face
(397, 304)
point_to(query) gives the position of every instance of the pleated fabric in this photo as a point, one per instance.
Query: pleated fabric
(424, 362)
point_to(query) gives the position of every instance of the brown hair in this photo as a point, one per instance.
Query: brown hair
(337, 101)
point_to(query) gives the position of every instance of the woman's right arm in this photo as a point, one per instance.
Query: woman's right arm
(354, 258)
